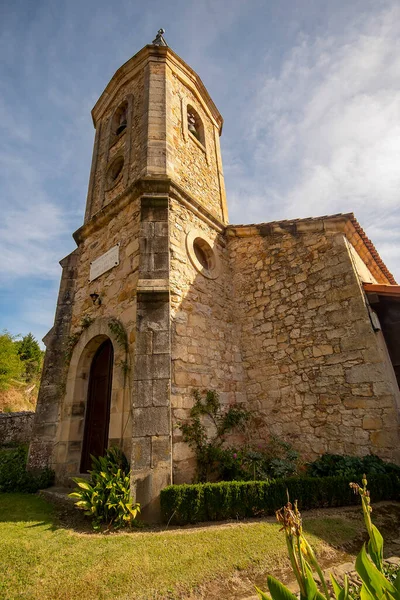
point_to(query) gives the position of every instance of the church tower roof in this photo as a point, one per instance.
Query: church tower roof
(157, 50)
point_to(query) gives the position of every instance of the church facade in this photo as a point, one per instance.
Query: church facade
(298, 320)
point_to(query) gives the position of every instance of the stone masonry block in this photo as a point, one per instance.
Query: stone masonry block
(150, 421)
(152, 366)
(141, 453)
(161, 449)
(372, 422)
(47, 412)
(385, 439)
(161, 229)
(153, 214)
(144, 344)
(147, 229)
(40, 455)
(46, 431)
(161, 392)
(161, 261)
(153, 316)
(161, 343)
(144, 393)
(364, 373)
(154, 245)
(146, 262)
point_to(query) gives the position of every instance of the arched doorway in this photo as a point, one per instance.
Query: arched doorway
(97, 417)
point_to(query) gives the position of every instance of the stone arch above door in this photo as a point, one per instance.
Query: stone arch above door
(72, 418)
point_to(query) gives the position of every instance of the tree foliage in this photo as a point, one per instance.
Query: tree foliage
(11, 366)
(31, 355)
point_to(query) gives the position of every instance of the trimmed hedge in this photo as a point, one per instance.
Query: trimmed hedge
(181, 504)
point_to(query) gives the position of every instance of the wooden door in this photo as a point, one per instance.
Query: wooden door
(98, 405)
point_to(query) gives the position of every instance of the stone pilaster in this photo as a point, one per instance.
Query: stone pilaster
(151, 414)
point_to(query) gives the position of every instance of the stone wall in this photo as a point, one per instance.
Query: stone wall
(196, 168)
(117, 291)
(130, 144)
(16, 428)
(315, 369)
(51, 385)
(204, 338)
(116, 287)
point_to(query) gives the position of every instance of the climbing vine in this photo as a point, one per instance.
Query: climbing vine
(225, 419)
(119, 332)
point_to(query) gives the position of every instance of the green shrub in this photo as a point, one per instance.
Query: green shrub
(331, 465)
(105, 498)
(225, 419)
(183, 504)
(275, 459)
(13, 474)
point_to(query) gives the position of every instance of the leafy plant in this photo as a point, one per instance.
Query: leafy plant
(86, 321)
(369, 562)
(31, 356)
(13, 474)
(105, 498)
(11, 365)
(224, 420)
(329, 465)
(275, 460)
(120, 333)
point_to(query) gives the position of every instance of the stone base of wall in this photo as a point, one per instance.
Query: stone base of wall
(16, 428)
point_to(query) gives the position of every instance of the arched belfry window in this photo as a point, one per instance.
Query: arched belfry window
(195, 125)
(120, 119)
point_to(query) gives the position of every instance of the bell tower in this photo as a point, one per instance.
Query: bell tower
(154, 219)
(155, 119)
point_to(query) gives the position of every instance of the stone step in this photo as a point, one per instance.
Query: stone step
(57, 494)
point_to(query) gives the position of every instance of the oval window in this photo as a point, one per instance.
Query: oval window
(202, 255)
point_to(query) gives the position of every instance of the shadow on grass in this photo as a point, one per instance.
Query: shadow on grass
(34, 511)
(18, 508)
(339, 527)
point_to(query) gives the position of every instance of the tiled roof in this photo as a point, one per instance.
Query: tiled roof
(373, 251)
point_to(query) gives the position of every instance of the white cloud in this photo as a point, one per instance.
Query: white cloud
(326, 131)
(32, 228)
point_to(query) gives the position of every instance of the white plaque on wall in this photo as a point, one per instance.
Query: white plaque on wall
(104, 263)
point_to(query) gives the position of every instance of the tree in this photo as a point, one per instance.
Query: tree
(11, 366)
(31, 355)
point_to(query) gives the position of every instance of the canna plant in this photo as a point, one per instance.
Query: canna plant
(105, 498)
(369, 562)
(375, 542)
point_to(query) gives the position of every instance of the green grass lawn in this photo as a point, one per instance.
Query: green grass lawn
(41, 559)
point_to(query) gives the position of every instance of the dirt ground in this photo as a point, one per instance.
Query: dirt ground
(18, 398)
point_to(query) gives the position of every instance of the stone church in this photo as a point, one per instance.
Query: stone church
(299, 320)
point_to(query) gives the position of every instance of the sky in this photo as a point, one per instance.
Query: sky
(309, 91)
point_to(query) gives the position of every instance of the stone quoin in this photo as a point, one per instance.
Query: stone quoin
(299, 320)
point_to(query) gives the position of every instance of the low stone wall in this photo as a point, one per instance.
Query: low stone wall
(16, 427)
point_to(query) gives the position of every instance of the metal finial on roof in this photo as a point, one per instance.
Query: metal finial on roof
(159, 40)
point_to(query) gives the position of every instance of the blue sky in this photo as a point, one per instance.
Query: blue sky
(309, 90)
